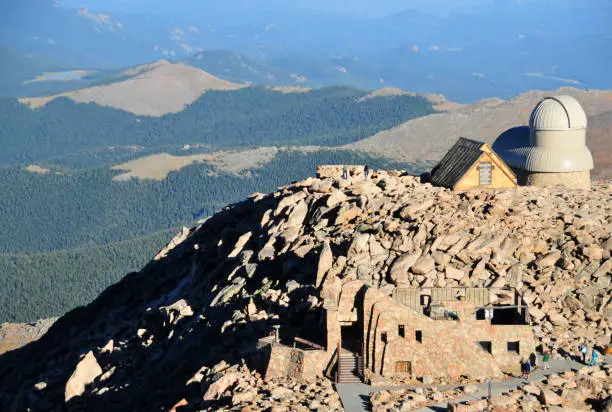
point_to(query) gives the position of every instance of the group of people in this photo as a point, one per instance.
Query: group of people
(584, 350)
(345, 171)
(529, 364)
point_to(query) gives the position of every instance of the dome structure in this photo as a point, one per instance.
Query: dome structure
(556, 146)
(558, 113)
(557, 139)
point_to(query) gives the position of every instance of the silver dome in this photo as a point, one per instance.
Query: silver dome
(556, 142)
(558, 113)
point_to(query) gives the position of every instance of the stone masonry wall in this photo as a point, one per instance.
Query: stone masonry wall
(447, 348)
(570, 180)
(335, 171)
(287, 362)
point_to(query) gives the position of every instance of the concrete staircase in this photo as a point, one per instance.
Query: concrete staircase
(350, 368)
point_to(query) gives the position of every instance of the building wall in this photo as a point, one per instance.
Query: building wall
(570, 180)
(501, 176)
(448, 348)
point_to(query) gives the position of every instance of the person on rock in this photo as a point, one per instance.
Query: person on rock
(366, 170)
(345, 172)
(583, 352)
(546, 359)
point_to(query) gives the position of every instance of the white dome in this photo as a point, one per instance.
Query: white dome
(558, 113)
(555, 141)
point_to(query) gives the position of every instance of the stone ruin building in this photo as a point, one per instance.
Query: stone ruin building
(416, 333)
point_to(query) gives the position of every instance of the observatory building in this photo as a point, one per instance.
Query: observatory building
(555, 151)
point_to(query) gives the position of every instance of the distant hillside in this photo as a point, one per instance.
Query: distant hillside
(431, 136)
(86, 213)
(249, 117)
(90, 208)
(150, 90)
(35, 285)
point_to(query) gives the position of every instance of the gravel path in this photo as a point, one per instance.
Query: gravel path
(356, 396)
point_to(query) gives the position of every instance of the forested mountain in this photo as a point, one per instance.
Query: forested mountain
(33, 286)
(70, 209)
(247, 117)
(85, 209)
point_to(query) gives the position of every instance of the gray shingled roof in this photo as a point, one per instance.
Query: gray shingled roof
(456, 162)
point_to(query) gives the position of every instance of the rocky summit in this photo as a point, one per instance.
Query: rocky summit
(187, 331)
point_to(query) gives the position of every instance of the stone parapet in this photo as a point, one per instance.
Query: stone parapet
(335, 171)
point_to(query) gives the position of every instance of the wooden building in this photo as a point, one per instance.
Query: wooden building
(469, 165)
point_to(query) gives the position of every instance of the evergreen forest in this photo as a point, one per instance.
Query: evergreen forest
(68, 234)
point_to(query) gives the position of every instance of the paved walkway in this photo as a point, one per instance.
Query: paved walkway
(356, 396)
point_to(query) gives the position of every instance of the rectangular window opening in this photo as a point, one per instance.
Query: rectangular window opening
(513, 347)
(418, 336)
(383, 337)
(401, 331)
(486, 346)
(402, 367)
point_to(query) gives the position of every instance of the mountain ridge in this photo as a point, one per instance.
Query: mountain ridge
(150, 90)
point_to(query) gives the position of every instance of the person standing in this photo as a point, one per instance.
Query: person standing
(366, 170)
(583, 351)
(594, 357)
(527, 369)
(546, 359)
(345, 172)
(533, 360)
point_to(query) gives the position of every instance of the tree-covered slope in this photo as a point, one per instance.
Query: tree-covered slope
(69, 209)
(48, 284)
(46, 212)
(244, 118)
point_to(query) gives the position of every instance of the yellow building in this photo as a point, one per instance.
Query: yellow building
(469, 165)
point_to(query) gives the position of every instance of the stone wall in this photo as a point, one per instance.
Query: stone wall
(447, 348)
(287, 362)
(570, 180)
(335, 171)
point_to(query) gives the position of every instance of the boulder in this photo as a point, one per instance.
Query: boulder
(548, 397)
(454, 273)
(326, 260)
(401, 265)
(220, 385)
(85, 372)
(424, 265)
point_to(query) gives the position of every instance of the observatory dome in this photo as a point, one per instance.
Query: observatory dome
(552, 150)
(557, 139)
(558, 113)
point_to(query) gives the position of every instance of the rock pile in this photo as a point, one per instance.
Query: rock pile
(235, 388)
(221, 287)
